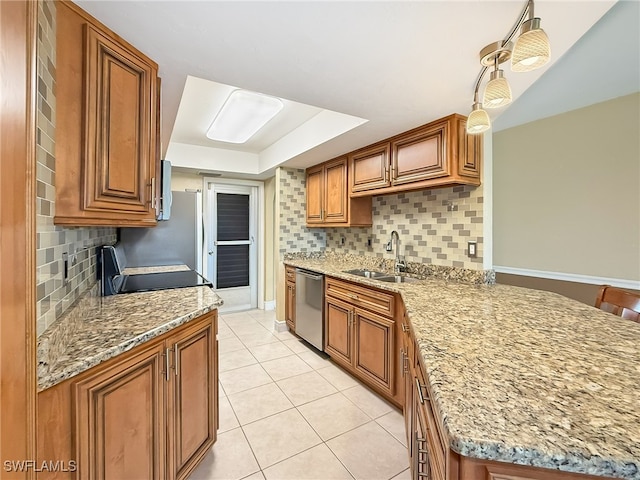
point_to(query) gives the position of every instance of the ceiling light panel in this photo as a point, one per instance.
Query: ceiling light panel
(243, 114)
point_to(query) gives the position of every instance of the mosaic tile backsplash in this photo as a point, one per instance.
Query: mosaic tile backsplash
(294, 236)
(434, 225)
(54, 296)
(429, 231)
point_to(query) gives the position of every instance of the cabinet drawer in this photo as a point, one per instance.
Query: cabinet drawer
(371, 299)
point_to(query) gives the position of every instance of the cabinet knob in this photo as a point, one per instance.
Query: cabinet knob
(405, 327)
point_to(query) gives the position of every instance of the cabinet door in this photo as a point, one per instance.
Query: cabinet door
(119, 140)
(335, 192)
(315, 187)
(339, 317)
(421, 461)
(369, 169)
(290, 306)
(374, 340)
(420, 155)
(120, 420)
(192, 396)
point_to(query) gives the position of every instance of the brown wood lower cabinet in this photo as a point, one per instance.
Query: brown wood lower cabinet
(149, 413)
(361, 335)
(290, 303)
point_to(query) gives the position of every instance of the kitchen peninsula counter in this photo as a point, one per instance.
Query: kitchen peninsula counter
(523, 376)
(99, 328)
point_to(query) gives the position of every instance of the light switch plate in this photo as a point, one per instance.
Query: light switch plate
(472, 249)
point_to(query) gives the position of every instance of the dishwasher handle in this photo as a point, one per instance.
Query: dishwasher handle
(309, 274)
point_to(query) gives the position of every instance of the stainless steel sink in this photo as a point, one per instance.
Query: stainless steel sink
(366, 273)
(397, 279)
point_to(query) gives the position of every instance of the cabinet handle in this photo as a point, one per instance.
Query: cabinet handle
(165, 372)
(353, 296)
(322, 214)
(176, 358)
(351, 318)
(405, 327)
(402, 362)
(404, 365)
(394, 173)
(386, 174)
(153, 192)
(419, 388)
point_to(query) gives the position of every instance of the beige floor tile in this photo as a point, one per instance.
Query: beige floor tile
(230, 458)
(317, 463)
(338, 377)
(235, 359)
(224, 331)
(393, 422)
(259, 402)
(228, 420)
(280, 436)
(285, 367)
(369, 402)
(244, 378)
(370, 453)
(315, 359)
(221, 392)
(297, 345)
(229, 344)
(255, 476)
(286, 335)
(404, 475)
(270, 351)
(330, 416)
(251, 327)
(306, 388)
(255, 339)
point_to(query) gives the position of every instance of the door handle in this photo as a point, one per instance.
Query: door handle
(210, 252)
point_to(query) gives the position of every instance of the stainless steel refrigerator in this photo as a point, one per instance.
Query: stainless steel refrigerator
(178, 240)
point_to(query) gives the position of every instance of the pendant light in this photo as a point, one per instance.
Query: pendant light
(497, 93)
(478, 120)
(530, 51)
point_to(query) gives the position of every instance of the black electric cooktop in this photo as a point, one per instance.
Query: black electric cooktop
(162, 281)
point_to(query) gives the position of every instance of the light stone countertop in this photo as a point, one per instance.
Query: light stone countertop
(524, 376)
(158, 269)
(98, 328)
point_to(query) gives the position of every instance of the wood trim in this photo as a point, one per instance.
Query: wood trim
(18, 30)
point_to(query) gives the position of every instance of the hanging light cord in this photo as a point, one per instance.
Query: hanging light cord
(528, 8)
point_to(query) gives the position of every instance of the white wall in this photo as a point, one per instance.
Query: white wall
(566, 194)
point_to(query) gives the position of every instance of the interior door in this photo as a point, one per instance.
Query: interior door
(232, 259)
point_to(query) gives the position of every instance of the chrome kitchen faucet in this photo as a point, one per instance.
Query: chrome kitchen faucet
(399, 264)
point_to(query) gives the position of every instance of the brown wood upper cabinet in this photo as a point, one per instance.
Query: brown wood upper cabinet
(328, 201)
(437, 154)
(106, 138)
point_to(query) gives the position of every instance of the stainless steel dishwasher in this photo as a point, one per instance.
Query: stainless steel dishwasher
(309, 307)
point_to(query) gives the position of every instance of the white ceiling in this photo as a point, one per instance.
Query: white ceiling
(396, 64)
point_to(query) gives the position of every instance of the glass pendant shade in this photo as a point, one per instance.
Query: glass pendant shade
(532, 49)
(478, 120)
(498, 92)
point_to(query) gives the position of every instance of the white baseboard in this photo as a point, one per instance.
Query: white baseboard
(269, 305)
(280, 326)
(570, 277)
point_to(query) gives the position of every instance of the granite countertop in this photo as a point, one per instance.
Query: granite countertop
(98, 328)
(524, 376)
(158, 269)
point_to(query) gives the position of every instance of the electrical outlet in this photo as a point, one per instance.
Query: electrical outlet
(388, 247)
(65, 267)
(342, 240)
(369, 242)
(472, 249)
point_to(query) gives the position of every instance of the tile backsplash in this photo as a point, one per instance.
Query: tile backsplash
(294, 236)
(54, 296)
(434, 225)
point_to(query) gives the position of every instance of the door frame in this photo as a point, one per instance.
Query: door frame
(260, 253)
(18, 30)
